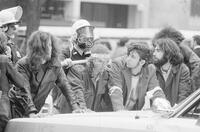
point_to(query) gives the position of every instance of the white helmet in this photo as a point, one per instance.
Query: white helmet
(10, 15)
(79, 24)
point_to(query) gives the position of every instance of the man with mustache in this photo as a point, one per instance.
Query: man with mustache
(172, 73)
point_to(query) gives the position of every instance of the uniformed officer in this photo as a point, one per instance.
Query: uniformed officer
(9, 18)
(81, 43)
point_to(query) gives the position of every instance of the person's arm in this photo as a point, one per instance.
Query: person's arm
(115, 86)
(66, 89)
(21, 81)
(184, 84)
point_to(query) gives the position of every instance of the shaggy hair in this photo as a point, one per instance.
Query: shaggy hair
(142, 49)
(122, 42)
(3, 42)
(197, 39)
(169, 32)
(37, 47)
(171, 50)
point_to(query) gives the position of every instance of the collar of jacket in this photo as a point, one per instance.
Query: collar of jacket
(174, 69)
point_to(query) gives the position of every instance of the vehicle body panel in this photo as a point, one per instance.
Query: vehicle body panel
(136, 121)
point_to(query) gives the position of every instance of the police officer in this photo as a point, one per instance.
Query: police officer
(81, 40)
(9, 18)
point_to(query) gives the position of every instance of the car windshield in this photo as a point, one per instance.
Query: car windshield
(177, 108)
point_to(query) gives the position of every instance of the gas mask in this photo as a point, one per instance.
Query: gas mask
(85, 37)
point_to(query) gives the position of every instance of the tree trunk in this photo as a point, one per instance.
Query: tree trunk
(32, 16)
(31, 12)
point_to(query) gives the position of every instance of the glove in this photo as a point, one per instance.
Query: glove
(67, 62)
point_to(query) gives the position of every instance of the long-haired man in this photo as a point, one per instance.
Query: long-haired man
(42, 69)
(172, 73)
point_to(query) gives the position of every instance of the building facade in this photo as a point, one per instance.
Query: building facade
(182, 14)
(101, 13)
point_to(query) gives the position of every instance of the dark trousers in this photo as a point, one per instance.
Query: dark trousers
(5, 112)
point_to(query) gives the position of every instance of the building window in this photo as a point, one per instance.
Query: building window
(53, 13)
(105, 15)
(195, 7)
(52, 8)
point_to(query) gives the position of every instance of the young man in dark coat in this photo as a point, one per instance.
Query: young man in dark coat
(43, 71)
(172, 73)
(189, 56)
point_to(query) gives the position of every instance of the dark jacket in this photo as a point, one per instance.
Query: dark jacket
(73, 54)
(9, 74)
(89, 94)
(59, 100)
(178, 84)
(95, 92)
(193, 63)
(42, 81)
(120, 76)
(15, 54)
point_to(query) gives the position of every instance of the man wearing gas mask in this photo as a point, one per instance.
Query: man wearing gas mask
(81, 41)
(81, 44)
(9, 18)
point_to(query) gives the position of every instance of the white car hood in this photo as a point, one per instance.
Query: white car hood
(142, 121)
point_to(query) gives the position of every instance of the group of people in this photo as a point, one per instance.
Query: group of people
(83, 78)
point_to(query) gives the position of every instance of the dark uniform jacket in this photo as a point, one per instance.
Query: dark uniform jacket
(9, 74)
(59, 101)
(73, 54)
(43, 80)
(15, 54)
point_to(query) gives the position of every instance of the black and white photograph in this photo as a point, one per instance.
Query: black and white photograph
(99, 65)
